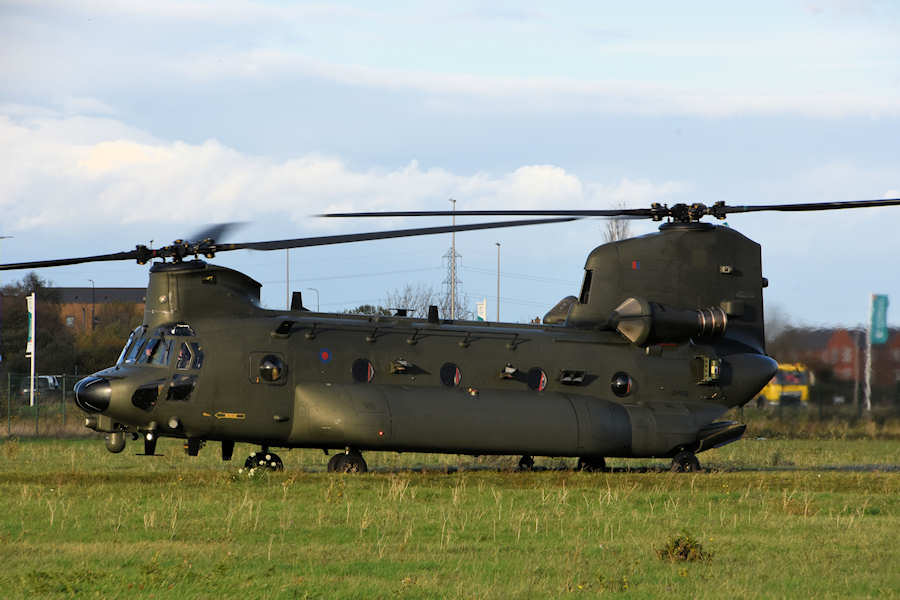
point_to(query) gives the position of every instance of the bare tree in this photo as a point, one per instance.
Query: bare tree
(617, 228)
(417, 298)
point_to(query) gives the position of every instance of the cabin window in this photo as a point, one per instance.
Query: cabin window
(268, 368)
(363, 371)
(621, 384)
(585, 287)
(450, 375)
(271, 368)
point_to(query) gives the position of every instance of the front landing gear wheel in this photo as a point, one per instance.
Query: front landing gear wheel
(264, 460)
(591, 464)
(347, 462)
(526, 463)
(685, 462)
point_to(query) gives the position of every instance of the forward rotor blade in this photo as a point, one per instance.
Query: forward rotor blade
(380, 235)
(810, 206)
(616, 212)
(130, 255)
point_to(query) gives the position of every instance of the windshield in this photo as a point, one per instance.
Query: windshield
(132, 346)
(791, 377)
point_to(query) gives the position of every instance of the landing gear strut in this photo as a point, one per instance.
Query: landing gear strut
(264, 459)
(685, 462)
(526, 463)
(591, 464)
(349, 461)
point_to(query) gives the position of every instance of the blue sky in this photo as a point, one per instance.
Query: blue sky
(125, 122)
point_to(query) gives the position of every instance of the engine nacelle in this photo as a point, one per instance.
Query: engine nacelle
(643, 322)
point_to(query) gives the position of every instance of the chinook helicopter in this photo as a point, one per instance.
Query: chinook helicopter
(665, 336)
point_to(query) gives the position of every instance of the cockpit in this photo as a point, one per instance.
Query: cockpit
(158, 347)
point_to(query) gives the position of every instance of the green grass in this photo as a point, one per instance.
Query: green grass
(78, 521)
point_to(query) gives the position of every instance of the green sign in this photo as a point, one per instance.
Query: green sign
(879, 328)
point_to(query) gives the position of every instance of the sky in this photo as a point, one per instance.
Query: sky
(131, 122)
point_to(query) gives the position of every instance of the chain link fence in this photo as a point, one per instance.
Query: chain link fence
(54, 413)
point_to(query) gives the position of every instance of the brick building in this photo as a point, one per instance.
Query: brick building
(80, 306)
(842, 351)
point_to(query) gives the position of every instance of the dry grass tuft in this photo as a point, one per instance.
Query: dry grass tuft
(683, 547)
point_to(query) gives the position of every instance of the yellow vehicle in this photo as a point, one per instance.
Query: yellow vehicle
(789, 387)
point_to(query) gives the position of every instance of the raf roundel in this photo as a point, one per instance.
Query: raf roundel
(325, 355)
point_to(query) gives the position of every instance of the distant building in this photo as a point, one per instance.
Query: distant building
(80, 305)
(842, 351)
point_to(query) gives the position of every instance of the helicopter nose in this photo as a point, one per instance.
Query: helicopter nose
(92, 394)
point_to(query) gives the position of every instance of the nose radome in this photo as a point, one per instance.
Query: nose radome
(92, 394)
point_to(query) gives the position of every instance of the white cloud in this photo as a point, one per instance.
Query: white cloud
(68, 171)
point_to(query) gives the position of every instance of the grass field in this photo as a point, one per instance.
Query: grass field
(777, 518)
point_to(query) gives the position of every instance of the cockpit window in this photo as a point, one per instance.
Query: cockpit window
(149, 351)
(161, 356)
(181, 330)
(585, 288)
(197, 352)
(184, 357)
(135, 351)
(127, 347)
(190, 356)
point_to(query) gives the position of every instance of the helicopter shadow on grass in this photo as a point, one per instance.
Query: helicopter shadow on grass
(661, 468)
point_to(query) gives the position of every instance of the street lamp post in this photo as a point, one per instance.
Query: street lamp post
(498, 281)
(317, 297)
(93, 298)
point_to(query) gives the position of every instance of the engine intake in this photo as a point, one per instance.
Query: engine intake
(643, 322)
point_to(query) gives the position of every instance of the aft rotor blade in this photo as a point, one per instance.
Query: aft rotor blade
(616, 212)
(814, 206)
(380, 235)
(130, 255)
(215, 232)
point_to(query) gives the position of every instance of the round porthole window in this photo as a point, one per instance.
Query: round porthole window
(621, 384)
(363, 371)
(450, 375)
(537, 379)
(271, 368)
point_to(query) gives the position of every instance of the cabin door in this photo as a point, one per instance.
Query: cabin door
(262, 409)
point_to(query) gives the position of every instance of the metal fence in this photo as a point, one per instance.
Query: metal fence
(54, 413)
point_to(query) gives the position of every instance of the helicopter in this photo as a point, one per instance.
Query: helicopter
(665, 336)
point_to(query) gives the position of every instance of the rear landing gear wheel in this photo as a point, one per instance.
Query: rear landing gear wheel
(264, 460)
(526, 463)
(685, 462)
(591, 464)
(347, 462)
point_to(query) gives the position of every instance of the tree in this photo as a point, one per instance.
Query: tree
(368, 309)
(617, 228)
(54, 343)
(417, 298)
(414, 298)
(99, 347)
